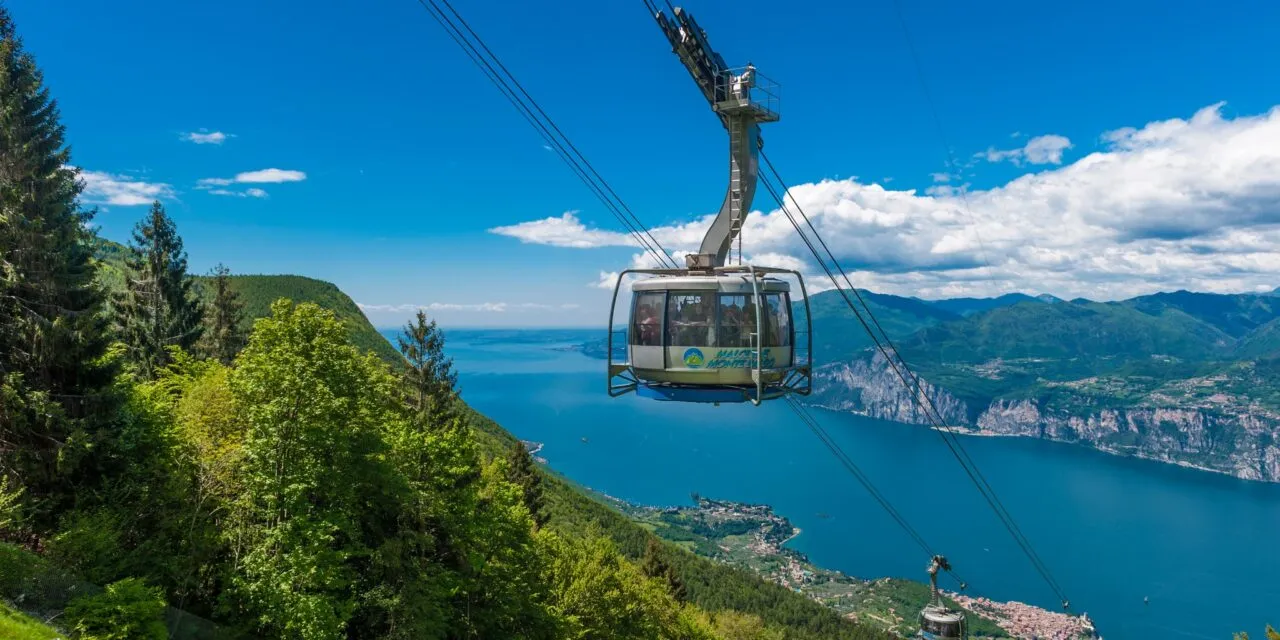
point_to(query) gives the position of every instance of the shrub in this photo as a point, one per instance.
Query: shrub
(127, 610)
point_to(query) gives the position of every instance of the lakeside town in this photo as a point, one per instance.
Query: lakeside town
(753, 536)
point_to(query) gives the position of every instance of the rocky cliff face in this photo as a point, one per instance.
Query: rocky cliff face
(1238, 440)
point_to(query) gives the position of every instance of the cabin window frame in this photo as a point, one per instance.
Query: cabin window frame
(634, 332)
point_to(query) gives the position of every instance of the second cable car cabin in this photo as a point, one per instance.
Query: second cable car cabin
(727, 335)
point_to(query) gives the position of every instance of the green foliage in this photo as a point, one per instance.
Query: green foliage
(259, 292)
(313, 407)
(52, 336)
(225, 332)
(39, 585)
(256, 293)
(653, 566)
(732, 625)
(126, 610)
(428, 373)
(710, 586)
(601, 595)
(522, 472)
(158, 307)
(1272, 634)
(11, 506)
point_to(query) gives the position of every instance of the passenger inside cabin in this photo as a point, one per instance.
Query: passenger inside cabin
(648, 320)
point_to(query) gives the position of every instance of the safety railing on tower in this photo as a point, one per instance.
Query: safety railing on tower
(745, 88)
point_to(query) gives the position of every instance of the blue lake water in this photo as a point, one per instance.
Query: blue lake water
(1204, 548)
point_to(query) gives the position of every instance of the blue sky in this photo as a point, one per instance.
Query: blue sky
(396, 158)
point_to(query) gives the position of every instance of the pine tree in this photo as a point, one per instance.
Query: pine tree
(522, 473)
(52, 332)
(428, 373)
(159, 307)
(224, 332)
(655, 567)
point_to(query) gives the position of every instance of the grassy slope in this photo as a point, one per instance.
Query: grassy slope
(15, 625)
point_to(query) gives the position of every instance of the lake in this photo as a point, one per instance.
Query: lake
(1204, 548)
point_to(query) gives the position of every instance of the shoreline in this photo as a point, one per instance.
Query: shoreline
(747, 535)
(960, 430)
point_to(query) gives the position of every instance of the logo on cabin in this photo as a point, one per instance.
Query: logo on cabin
(693, 357)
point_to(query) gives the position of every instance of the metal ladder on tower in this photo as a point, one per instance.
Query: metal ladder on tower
(737, 135)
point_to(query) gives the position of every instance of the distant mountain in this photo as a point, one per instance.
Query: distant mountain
(259, 291)
(970, 306)
(1184, 377)
(1235, 314)
(1263, 342)
(837, 334)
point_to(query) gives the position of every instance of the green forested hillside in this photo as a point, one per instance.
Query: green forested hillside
(837, 334)
(257, 292)
(1234, 314)
(711, 585)
(1010, 351)
(970, 306)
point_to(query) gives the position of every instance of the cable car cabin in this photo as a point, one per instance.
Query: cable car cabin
(940, 623)
(718, 335)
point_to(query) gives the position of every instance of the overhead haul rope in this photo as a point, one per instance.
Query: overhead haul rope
(642, 235)
(529, 109)
(843, 458)
(964, 199)
(931, 412)
(910, 380)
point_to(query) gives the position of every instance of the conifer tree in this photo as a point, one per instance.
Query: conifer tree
(655, 567)
(224, 332)
(521, 472)
(159, 307)
(52, 332)
(428, 373)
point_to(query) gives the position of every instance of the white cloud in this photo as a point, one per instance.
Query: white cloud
(487, 307)
(205, 136)
(114, 189)
(271, 175)
(263, 176)
(252, 192)
(608, 280)
(1038, 150)
(1191, 203)
(564, 231)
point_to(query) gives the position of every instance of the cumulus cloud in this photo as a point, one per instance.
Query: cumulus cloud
(267, 176)
(488, 307)
(1038, 150)
(564, 231)
(1183, 203)
(204, 136)
(115, 189)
